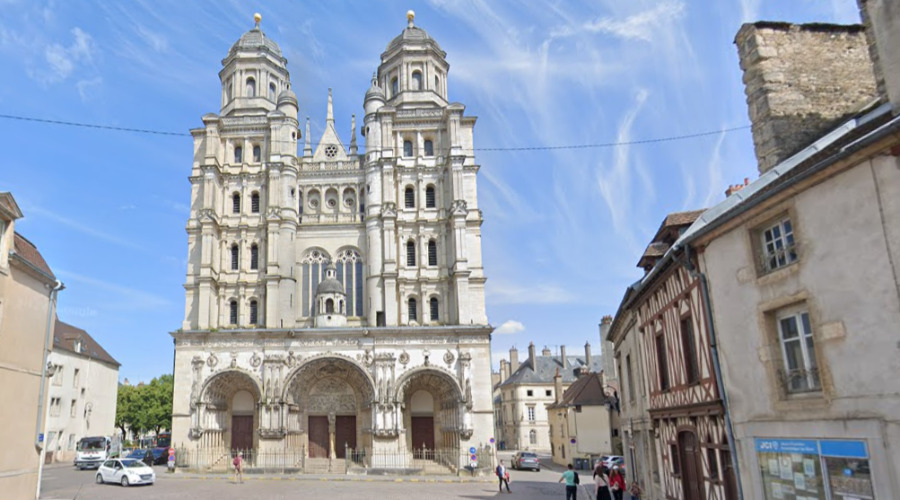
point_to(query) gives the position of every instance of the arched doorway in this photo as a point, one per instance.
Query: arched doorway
(226, 412)
(433, 410)
(329, 398)
(691, 472)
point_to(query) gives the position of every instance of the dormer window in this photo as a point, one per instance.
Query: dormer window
(251, 87)
(78, 346)
(417, 80)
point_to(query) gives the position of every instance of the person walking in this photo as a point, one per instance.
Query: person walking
(571, 479)
(617, 483)
(238, 463)
(601, 480)
(503, 475)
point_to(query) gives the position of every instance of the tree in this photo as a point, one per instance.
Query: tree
(145, 406)
(125, 408)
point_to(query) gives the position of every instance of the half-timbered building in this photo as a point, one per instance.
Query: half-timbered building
(673, 347)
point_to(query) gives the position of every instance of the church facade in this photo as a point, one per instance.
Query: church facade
(334, 300)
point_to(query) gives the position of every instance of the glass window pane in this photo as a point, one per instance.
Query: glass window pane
(793, 355)
(807, 330)
(788, 327)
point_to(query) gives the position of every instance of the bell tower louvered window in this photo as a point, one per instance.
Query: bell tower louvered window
(254, 203)
(254, 257)
(254, 312)
(430, 201)
(233, 312)
(409, 198)
(411, 253)
(235, 203)
(434, 309)
(413, 313)
(432, 253)
(235, 257)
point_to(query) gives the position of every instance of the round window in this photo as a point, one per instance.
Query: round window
(331, 203)
(331, 151)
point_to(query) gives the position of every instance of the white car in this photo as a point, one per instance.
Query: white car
(126, 472)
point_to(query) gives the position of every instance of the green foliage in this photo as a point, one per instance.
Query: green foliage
(145, 407)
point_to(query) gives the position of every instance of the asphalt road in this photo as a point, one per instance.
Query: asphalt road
(67, 483)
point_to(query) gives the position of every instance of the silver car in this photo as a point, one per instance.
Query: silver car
(526, 460)
(126, 472)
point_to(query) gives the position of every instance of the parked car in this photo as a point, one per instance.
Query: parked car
(125, 471)
(160, 455)
(145, 456)
(611, 461)
(526, 460)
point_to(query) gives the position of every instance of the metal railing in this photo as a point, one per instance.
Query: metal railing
(800, 380)
(254, 460)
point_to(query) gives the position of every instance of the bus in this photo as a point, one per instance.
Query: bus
(164, 440)
(93, 451)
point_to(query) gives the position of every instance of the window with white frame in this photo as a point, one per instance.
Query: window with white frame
(532, 436)
(54, 407)
(531, 414)
(777, 244)
(58, 376)
(800, 372)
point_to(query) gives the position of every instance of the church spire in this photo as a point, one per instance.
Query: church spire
(353, 134)
(307, 148)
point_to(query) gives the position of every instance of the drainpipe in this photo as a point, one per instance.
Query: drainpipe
(717, 368)
(39, 425)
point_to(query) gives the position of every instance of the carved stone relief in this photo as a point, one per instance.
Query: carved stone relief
(404, 358)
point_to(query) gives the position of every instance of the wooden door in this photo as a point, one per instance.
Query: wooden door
(344, 434)
(318, 437)
(691, 473)
(422, 435)
(241, 432)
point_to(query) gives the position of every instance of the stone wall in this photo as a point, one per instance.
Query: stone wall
(882, 21)
(800, 81)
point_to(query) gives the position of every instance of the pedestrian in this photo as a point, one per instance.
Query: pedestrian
(601, 480)
(503, 476)
(635, 491)
(571, 479)
(238, 463)
(617, 483)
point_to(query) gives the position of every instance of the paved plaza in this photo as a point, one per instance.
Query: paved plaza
(67, 483)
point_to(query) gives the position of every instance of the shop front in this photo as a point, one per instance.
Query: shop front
(812, 469)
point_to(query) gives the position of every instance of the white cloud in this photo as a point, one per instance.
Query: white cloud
(641, 26)
(63, 60)
(509, 327)
(85, 87)
(86, 229)
(125, 298)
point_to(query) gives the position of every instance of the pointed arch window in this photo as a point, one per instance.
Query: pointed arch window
(254, 203)
(235, 257)
(313, 271)
(432, 253)
(232, 312)
(271, 91)
(407, 149)
(434, 309)
(349, 265)
(251, 87)
(236, 203)
(413, 313)
(238, 154)
(254, 312)
(254, 257)
(409, 197)
(429, 147)
(257, 153)
(430, 200)
(411, 253)
(417, 80)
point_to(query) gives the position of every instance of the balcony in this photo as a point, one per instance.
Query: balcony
(799, 381)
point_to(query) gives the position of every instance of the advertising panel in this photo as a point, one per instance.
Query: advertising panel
(810, 469)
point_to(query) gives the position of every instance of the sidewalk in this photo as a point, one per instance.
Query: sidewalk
(221, 476)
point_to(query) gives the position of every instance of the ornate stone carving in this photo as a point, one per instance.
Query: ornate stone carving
(255, 361)
(212, 360)
(459, 207)
(291, 359)
(468, 394)
(365, 357)
(272, 433)
(449, 357)
(427, 354)
(197, 368)
(404, 358)
(233, 359)
(389, 209)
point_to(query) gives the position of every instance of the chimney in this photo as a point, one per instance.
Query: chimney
(801, 81)
(736, 187)
(513, 360)
(562, 357)
(504, 371)
(881, 19)
(605, 324)
(532, 357)
(546, 351)
(557, 385)
(587, 355)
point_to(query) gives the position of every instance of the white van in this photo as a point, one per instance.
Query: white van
(93, 451)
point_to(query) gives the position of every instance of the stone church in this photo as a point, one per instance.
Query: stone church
(334, 299)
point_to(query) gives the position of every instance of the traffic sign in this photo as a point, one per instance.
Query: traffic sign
(472, 450)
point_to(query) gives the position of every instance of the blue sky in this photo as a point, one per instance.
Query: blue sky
(563, 228)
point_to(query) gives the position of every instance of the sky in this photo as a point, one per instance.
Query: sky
(564, 227)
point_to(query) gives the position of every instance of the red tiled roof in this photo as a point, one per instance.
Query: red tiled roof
(682, 218)
(65, 335)
(26, 250)
(586, 391)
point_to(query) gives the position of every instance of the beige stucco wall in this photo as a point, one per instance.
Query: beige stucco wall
(99, 383)
(848, 232)
(24, 301)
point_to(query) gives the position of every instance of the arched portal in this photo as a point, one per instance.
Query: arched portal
(226, 413)
(433, 410)
(329, 399)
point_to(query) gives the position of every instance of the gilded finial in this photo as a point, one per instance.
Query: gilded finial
(410, 15)
(257, 17)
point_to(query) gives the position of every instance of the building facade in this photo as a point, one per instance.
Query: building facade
(684, 404)
(526, 392)
(801, 264)
(28, 291)
(581, 420)
(82, 393)
(334, 299)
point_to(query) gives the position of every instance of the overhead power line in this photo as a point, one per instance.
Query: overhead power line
(514, 148)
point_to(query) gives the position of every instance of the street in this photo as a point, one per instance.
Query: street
(67, 483)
